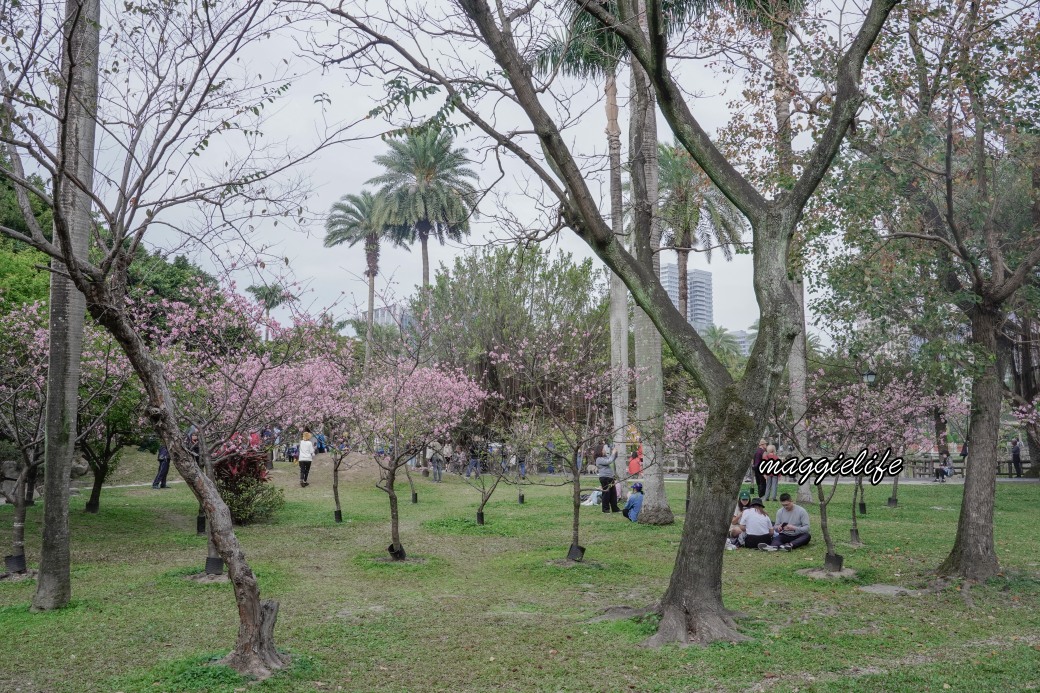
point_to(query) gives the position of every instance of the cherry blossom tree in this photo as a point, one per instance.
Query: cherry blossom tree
(400, 410)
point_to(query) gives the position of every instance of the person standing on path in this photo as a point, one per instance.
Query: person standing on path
(306, 456)
(1016, 457)
(164, 468)
(605, 470)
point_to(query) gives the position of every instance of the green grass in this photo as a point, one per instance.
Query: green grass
(492, 608)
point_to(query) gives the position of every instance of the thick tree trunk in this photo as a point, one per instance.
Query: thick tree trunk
(618, 290)
(974, 555)
(691, 609)
(78, 97)
(650, 381)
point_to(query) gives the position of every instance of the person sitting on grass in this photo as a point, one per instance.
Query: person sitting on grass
(755, 524)
(635, 502)
(791, 529)
(743, 503)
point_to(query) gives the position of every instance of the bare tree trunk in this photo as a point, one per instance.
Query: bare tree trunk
(335, 484)
(395, 526)
(974, 555)
(857, 495)
(650, 382)
(618, 290)
(18, 522)
(100, 472)
(78, 104)
(575, 502)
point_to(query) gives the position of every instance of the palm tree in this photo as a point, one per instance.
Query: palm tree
(271, 296)
(362, 218)
(694, 211)
(721, 342)
(68, 306)
(427, 188)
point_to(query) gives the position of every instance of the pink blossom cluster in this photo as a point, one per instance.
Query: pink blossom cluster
(682, 428)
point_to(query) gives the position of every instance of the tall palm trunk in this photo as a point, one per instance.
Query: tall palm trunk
(423, 228)
(372, 255)
(78, 99)
(682, 264)
(618, 290)
(650, 382)
(797, 367)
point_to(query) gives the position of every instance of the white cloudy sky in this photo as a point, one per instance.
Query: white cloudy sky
(335, 275)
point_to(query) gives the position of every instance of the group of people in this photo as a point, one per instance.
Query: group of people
(609, 482)
(751, 527)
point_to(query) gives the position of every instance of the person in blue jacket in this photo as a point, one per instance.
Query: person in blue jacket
(635, 502)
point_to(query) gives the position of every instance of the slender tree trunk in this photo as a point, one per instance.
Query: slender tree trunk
(18, 522)
(372, 256)
(650, 381)
(423, 228)
(824, 501)
(682, 264)
(575, 502)
(395, 518)
(100, 470)
(618, 290)
(974, 555)
(335, 483)
(78, 104)
(30, 485)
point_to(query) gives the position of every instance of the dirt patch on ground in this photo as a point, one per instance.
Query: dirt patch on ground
(568, 563)
(29, 574)
(821, 574)
(207, 579)
(889, 590)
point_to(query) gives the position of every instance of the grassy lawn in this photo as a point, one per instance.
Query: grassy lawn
(486, 609)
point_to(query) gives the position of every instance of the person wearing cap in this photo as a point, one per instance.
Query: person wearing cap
(791, 529)
(743, 503)
(635, 502)
(755, 524)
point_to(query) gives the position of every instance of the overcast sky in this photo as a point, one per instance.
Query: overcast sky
(336, 275)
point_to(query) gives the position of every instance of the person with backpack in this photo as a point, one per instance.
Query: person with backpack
(164, 468)
(607, 481)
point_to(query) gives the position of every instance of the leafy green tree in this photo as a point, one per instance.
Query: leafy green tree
(427, 189)
(271, 296)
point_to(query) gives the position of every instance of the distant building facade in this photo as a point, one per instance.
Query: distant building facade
(700, 305)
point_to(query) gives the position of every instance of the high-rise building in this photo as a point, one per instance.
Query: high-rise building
(699, 300)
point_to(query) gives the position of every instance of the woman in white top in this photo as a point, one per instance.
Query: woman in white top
(306, 455)
(758, 528)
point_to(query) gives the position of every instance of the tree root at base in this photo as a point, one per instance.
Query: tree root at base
(682, 627)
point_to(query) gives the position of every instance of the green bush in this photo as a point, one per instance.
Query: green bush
(243, 484)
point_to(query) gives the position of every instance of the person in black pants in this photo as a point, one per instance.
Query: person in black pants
(164, 468)
(756, 467)
(1016, 457)
(605, 470)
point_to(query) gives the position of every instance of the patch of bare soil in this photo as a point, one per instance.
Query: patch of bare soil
(29, 574)
(207, 579)
(821, 574)
(568, 563)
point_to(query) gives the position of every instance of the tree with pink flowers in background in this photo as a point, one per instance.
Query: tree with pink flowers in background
(105, 383)
(681, 430)
(846, 417)
(398, 411)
